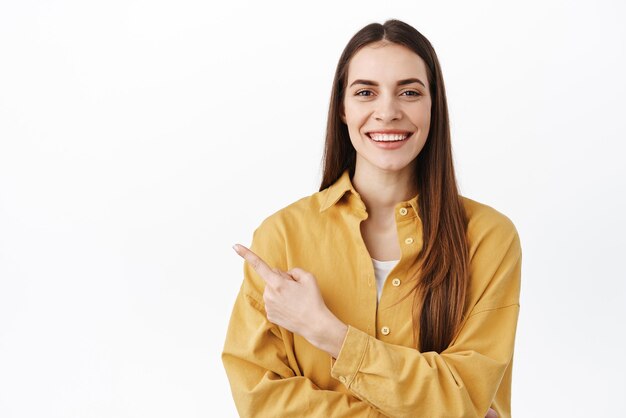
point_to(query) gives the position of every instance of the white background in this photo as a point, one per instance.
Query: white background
(139, 140)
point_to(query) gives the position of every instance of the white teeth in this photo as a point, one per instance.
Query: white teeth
(387, 137)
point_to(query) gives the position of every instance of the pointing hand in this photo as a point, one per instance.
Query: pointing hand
(293, 300)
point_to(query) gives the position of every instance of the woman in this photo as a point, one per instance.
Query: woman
(318, 329)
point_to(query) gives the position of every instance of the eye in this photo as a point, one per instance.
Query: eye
(358, 93)
(413, 93)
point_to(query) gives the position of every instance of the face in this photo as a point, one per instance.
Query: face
(387, 106)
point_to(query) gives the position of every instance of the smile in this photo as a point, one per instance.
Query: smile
(388, 137)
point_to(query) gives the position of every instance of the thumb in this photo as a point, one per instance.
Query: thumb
(297, 273)
(284, 274)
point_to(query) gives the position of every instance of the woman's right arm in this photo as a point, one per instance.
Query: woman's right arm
(259, 362)
(262, 381)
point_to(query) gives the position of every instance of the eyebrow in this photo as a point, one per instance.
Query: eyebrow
(400, 83)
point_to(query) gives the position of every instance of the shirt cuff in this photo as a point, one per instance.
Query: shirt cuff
(350, 357)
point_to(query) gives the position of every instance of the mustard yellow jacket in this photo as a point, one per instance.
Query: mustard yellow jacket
(275, 373)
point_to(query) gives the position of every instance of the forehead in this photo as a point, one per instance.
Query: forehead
(386, 62)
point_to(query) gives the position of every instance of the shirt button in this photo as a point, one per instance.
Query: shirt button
(409, 240)
(385, 330)
(395, 282)
(403, 211)
(342, 379)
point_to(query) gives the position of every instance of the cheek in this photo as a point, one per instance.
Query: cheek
(421, 116)
(355, 121)
(354, 112)
(425, 122)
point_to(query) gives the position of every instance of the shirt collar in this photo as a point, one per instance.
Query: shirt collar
(336, 190)
(344, 184)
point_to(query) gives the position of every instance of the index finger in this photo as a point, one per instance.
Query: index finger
(260, 266)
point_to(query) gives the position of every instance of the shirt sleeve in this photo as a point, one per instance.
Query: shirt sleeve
(461, 381)
(258, 356)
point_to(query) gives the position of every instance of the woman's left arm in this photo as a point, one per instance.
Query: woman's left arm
(463, 379)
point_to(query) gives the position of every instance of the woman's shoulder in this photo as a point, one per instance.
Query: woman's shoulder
(495, 254)
(482, 215)
(297, 214)
(484, 220)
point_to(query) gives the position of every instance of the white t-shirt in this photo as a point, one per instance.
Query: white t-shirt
(381, 270)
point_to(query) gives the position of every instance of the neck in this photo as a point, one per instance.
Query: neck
(381, 190)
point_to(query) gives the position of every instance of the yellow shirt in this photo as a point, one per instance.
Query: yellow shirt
(275, 373)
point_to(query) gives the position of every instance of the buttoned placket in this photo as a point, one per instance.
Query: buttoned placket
(408, 226)
(378, 319)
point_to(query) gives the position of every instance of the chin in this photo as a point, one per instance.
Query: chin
(392, 166)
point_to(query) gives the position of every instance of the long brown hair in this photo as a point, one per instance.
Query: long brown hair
(439, 294)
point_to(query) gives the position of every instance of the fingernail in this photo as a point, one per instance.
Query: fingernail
(236, 248)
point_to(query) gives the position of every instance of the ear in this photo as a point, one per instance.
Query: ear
(342, 115)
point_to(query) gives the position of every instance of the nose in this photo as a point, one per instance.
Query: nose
(387, 109)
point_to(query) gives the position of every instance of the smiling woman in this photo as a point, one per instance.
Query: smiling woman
(391, 93)
(317, 329)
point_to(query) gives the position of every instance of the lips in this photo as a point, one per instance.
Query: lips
(389, 136)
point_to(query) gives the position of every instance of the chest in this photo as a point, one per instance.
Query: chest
(338, 252)
(381, 240)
